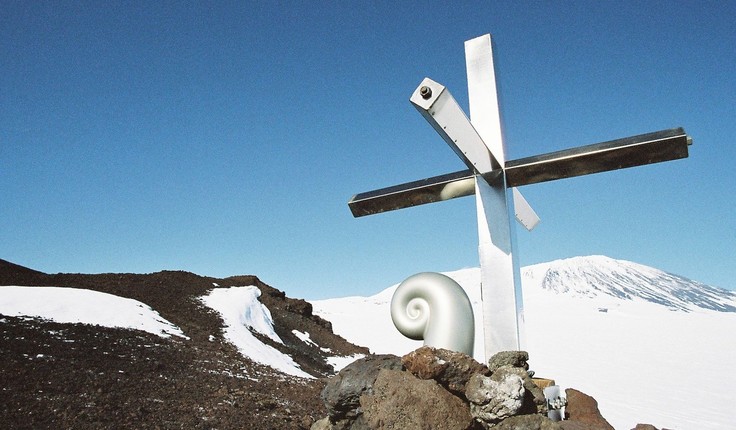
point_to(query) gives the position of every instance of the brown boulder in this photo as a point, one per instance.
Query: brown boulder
(647, 427)
(450, 369)
(402, 401)
(583, 410)
(341, 395)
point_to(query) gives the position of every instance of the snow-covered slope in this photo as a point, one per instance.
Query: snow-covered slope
(242, 312)
(77, 305)
(649, 346)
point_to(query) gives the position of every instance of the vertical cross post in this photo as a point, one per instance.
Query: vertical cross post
(502, 304)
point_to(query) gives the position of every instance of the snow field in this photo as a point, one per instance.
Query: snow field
(643, 362)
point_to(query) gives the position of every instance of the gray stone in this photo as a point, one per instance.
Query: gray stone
(534, 400)
(402, 401)
(509, 358)
(323, 424)
(341, 395)
(450, 369)
(491, 401)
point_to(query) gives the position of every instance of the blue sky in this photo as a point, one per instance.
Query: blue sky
(226, 138)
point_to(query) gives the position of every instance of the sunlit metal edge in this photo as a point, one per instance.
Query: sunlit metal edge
(649, 148)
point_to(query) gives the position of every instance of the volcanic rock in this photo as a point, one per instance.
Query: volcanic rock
(534, 400)
(450, 369)
(402, 401)
(509, 358)
(63, 375)
(527, 422)
(646, 427)
(583, 409)
(343, 391)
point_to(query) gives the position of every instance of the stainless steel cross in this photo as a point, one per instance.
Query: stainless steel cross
(492, 178)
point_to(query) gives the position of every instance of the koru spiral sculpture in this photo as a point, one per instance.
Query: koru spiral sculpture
(433, 307)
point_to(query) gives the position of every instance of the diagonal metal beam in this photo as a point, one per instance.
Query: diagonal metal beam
(435, 103)
(631, 151)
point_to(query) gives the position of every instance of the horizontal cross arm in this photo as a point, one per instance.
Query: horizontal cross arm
(631, 151)
(430, 190)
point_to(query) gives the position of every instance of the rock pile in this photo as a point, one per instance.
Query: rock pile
(440, 389)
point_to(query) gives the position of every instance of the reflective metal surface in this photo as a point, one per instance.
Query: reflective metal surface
(500, 283)
(482, 96)
(501, 298)
(523, 211)
(631, 151)
(430, 190)
(449, 121)
(433, 307)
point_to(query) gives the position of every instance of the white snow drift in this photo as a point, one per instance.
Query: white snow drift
(241, 311)
(76, 305)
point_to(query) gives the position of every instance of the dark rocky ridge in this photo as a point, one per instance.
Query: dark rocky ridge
(81, 376)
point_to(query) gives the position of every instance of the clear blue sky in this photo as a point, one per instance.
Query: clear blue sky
(226, 138)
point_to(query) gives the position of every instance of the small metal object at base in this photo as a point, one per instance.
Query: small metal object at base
(555, 402)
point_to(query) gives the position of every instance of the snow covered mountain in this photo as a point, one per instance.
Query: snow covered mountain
(600, 276)
(648, 345)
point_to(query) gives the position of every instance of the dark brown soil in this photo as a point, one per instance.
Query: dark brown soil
(81, 376)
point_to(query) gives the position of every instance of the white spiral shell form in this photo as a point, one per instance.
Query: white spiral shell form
(433, 307)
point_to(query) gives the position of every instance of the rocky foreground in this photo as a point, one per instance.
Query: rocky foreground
(439, 389)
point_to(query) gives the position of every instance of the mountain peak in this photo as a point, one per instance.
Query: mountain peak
(602, 276)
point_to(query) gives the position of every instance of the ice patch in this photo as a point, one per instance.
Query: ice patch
(304, 337)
